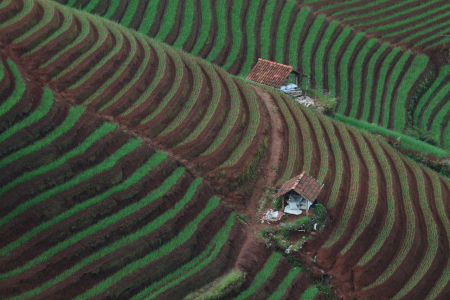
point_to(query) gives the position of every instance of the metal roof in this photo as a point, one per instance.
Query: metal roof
(270, 73)
(304, 185)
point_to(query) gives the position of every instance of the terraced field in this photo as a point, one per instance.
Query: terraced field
(116, 150)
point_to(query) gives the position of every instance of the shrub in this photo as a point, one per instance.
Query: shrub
(320, 211)
(422, 135)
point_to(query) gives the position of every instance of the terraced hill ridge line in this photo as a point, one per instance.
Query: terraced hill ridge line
(90, 208)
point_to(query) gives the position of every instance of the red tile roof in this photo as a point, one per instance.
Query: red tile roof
(269, 73)
(304, 185)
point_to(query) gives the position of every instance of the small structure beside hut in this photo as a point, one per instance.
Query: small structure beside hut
(300, 193)
(279, 76)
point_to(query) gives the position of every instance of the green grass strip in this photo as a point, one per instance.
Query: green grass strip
(49, 12)
(344, 78)
(406, 142)
(265, 28)
(358, 69)
(282, 30)
(106, 164)
(19, 89)
(390, 216)
(41, 111)
(122, 68)
(177, 241)
(422, 104)
(222, 20)
(79, 150)
(149, 17)
(190, 268)
(91, 5)
(143, 170)
(133, 237)
(250, 133)
(287, 281)
(188, 20)
(130, 13)
(235, 32)
(215, 99)
(406, 86)
(69, 122)
(309, 42)
(111, 220)
(169, 20)
(28, 6)
(250, 33)
(399, 66)
(370, 80)
(380, 87)
(310, 293)
(205, 26)
(262, 276)
(321, 53)
(332, 60)
(119, 42)
(295, 36)
(114, 4)
(85, 30)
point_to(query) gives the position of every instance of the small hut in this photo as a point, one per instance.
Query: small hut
(300, 193)
(274, 74)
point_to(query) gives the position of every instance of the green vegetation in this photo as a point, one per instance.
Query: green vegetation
(309, 42)
(19, 89)
(236, 33)
(310, 293)
(282, 288)
(319, 73)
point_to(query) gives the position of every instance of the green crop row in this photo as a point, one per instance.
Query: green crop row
(384, 9)
(106, 164)
(117, 33)
(371, 81)
(85, 30)
(253, 124)
(232, 116)
(79, 150)
(358, 74)
(353, 190)
(162, 66)
(309, 42)
(5, 3)
(410, 221)
(415, 70)
(432, 235)
(236, 33)
(214, 103)
(49, 12)
(169, 19)
(68, 20)
(332, 60)
(390, 215)
(333, 5)
(221, 19)
(41, 111)
(179, 75)
(129, 13)
(265, 28)
(440, 207)
(441, 116)
(427, 33)
(399, 67)
(186, 27)
(295, 36)
(69, 122)
(127, 239)
(103, 33)
(139, 173)
(427, 118)
(250, 33)
(287, 281)
(310, 293)
(110, 82)
(19, 89)
(205, 25)
(88, 8)
(292, 142)
(262, 276)
(108, 221)
(198, 80)
(149, 17)
(281, 33)
(190, 268)
(28, 6)
(372, 193)
(423, 103)
(177, 241)
(380, 87)
(321, 53)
